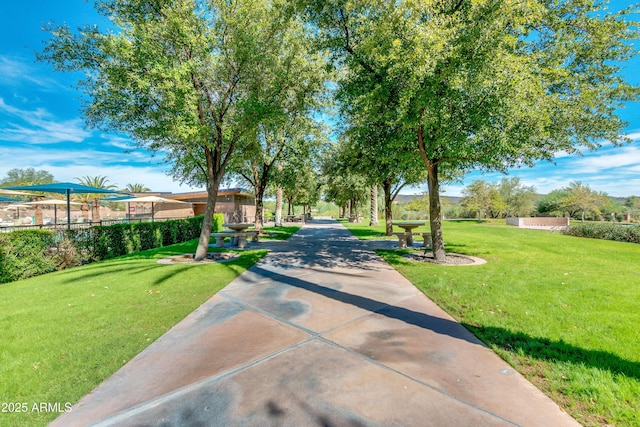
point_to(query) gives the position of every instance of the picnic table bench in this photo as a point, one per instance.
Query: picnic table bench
(238, 238)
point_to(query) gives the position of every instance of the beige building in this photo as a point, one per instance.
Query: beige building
(237, 205)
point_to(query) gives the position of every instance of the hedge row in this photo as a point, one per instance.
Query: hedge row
(605, 231)
(28, 253)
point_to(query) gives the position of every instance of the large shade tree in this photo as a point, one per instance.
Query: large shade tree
(186, 78)
(272, 145)
(392, 170)
(482, 84)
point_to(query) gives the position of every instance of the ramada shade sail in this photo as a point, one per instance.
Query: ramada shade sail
(66, 188)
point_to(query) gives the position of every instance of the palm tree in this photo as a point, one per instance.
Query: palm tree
(93, 181)
(136, 188)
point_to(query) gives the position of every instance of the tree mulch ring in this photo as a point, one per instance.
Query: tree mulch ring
(451, 259)
(188, 258)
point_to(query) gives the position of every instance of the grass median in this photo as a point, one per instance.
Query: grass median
(63, 333)
(564, 311)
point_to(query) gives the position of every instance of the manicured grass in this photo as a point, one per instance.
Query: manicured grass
(564, 311)
(63, 333)
(279, 233)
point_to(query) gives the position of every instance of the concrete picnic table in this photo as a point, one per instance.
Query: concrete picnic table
(238, 232)
(406, 237)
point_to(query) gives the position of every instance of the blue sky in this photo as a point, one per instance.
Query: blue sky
(41, 126)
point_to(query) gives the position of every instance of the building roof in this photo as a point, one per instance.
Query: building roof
(202, 195)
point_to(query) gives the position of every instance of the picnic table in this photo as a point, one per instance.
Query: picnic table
(238, 232)
(406, 237)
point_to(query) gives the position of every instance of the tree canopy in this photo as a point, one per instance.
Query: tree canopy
(29, 176)
(481, 84)
(187, 78)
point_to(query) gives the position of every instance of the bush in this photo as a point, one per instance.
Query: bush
(605, 231)
(218, 220)
(33, 252)
(26, 253)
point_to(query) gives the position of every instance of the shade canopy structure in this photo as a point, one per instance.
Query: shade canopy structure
(9, 200)
(66, 188)
(7, 192)
(52, 202)
(151, 199)
(17, 206)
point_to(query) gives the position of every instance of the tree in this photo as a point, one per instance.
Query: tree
(136, 188)
(552, 203)
(580, 198)
(275, 143)
(392, 170)
(300, 184)
(482, 84)
(483, 198)
(345, 185)
(93, 199)
(187, 78)
(518, 197)
(29, 176)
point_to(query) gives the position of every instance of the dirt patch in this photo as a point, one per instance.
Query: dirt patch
(451, 259)
(188, 258)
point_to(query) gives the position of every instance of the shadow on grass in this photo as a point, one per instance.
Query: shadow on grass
(554, 351)
(365, 232)
(134, 265)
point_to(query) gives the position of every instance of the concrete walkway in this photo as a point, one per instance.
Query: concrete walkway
(321, 332)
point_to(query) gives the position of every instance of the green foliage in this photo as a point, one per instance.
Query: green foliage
(605, 231)
(191, 78)
(26, 253)
(34, 252)
(509, 197)
(577, 200)
(29, 176)
(480, 84)
(218, 220)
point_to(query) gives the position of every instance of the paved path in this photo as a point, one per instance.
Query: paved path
(321, 332)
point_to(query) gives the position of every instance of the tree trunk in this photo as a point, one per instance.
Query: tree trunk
(215, 171)
(278, 218)
(39, 217)
(259, 209)
(84, 209)
(261, 186)
(373, 214)
(435, 219)
(388, 214)
(207, 223)
(95, 211)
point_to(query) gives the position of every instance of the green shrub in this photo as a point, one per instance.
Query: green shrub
(605, 231)
(218, 220)
(26, 253)
(33, 252)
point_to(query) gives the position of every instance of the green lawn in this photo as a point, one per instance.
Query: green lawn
(63, 333)
(564, 311)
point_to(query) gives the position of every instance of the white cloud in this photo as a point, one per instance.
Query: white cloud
(15, 72)
(39, 127)
(67, 165)
(622, 159)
